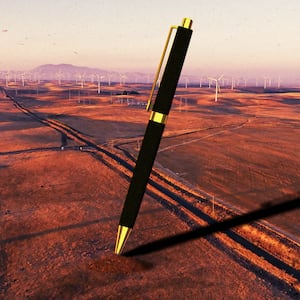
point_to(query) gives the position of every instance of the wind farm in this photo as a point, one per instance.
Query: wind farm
(68, 148)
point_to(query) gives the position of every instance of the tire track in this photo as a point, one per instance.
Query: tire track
(190, 206)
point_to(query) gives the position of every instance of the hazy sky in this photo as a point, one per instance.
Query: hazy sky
(231, 35)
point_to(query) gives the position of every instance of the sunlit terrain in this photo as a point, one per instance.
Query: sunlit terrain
(67, 153)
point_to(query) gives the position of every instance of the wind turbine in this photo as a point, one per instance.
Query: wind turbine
(99, 83)
(186, 82)
(218, 89)
(7, 78)
(266, 79)
(278, 82)
(232, 83)
(23, 79)
(270, 82)
(122, 79)
(59, 76)
(109, 76)
(200, 82)
(81, 78)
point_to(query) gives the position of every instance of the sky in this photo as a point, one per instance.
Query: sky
(232, 36)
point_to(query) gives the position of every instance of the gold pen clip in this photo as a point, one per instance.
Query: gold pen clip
(187, 23)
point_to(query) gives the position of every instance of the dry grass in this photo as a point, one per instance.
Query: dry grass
(60, 209)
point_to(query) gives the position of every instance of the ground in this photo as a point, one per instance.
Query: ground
(60, 207)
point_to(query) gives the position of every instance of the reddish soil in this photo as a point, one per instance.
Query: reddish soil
(60, 208)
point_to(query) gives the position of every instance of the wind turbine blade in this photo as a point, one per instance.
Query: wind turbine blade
(211, 78)
(221, 77)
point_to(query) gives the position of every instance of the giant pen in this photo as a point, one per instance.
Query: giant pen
(154, 130)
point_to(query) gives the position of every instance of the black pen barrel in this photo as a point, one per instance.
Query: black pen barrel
(141, 173)
(172, 71)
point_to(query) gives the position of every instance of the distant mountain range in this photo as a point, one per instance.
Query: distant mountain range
(71, 72)
(66, 68)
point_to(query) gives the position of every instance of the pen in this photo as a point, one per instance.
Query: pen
(154, 131)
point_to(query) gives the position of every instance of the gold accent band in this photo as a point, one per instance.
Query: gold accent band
(187, 23)
(158, 117)
(150, 104)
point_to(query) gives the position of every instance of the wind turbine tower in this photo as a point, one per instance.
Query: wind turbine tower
(59, 76)
(186, 82)
(23, 79)
(232, 83)
(109, 76)
(278, 82)
(7, 79)
(121, 79)
(266, 79)
(270, 82)
(209, 82)
(81, 78)
(99, 77)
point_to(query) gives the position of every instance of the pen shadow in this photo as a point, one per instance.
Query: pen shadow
(222, 226)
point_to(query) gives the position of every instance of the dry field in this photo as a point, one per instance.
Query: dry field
(60, 199)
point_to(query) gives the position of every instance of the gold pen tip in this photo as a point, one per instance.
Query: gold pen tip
(187, 23)
(122, 236)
